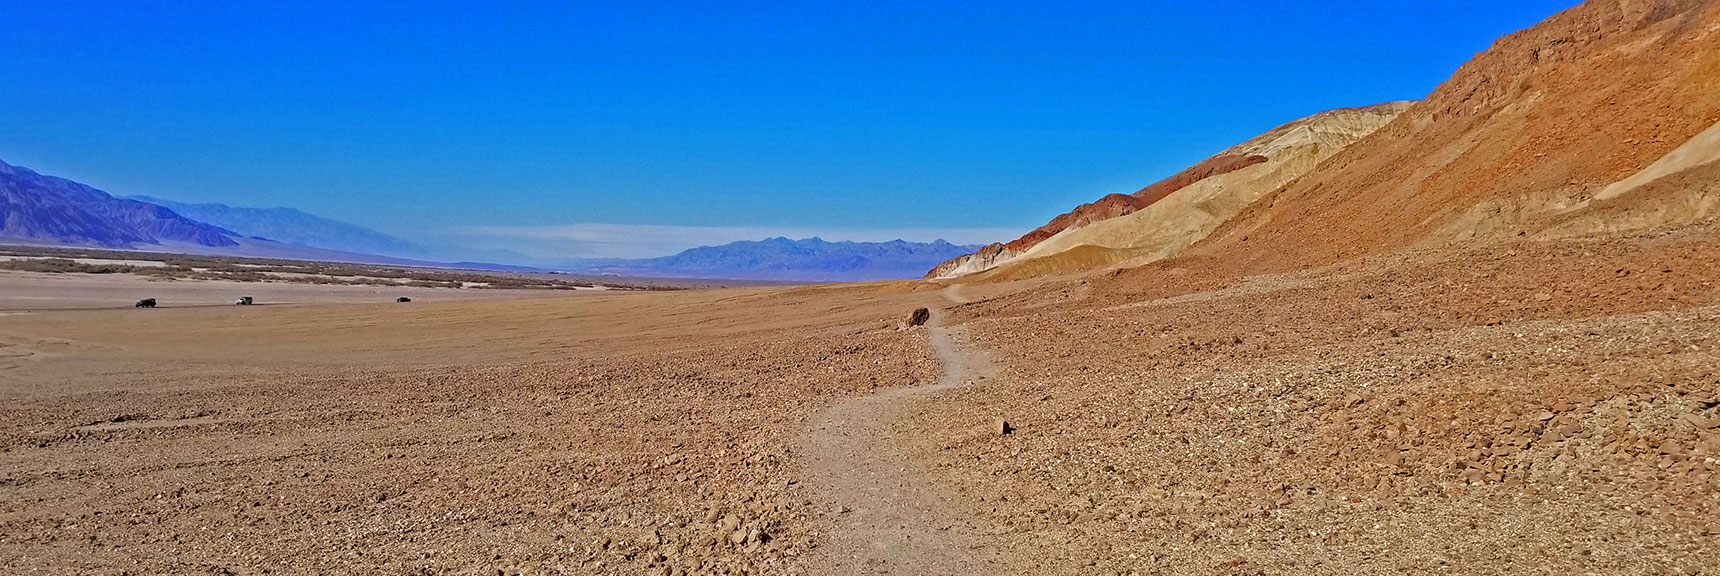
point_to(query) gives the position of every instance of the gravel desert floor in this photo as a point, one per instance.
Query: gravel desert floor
(591, 433)
(1542, 406)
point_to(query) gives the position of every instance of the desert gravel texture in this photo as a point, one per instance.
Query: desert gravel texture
(1527, 408)
(892, 517)
(1473, 341)
(600, 434)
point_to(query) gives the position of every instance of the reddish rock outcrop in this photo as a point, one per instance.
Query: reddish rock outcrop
(1214, 166)
(1108, 207)
(1114, 205)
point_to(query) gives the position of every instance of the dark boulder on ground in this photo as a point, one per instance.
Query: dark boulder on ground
(919, 317)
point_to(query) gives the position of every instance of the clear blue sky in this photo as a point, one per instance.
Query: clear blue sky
(424, 117)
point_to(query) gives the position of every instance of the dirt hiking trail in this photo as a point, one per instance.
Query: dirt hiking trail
(889, 516)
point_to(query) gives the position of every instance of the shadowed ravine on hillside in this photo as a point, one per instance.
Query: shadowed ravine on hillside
(892, 518)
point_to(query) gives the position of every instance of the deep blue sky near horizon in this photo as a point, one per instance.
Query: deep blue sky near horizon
(449, 119)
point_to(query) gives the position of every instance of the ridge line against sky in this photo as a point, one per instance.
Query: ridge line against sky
(438, 118)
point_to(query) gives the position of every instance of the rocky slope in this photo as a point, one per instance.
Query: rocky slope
(1402, 415)
(1604, 110)
(1168, 227)
(1122, 226)
(1525, 138)
(41, 208)
(1492, 321)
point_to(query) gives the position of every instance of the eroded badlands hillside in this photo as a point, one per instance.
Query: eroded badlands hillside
(1534, 131)
(1543, 133)
(1167, 216)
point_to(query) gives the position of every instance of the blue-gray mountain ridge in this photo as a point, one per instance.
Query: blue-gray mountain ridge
(810, 259)
(292, 226)
(39, 208)
(45, 209)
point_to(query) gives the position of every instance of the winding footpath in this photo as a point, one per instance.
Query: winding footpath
(889, 516)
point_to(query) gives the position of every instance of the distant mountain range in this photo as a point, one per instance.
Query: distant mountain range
(41, 208)
(37, 209)
(810, 259)
(291, 226)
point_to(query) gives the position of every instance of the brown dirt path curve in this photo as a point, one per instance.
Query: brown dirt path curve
(890, 516)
